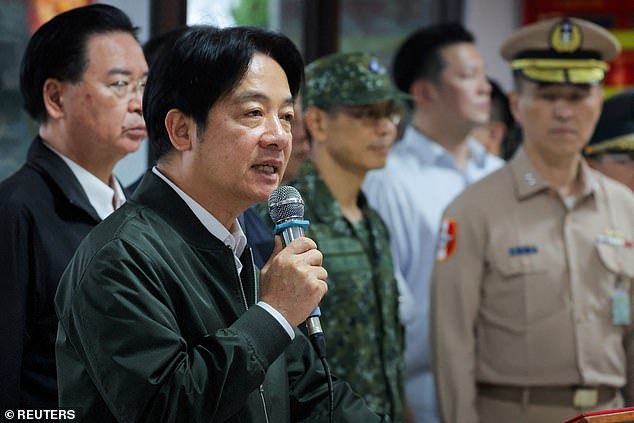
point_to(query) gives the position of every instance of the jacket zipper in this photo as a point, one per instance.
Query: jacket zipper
(246, 307)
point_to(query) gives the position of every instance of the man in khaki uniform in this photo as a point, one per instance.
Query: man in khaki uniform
(531, 289)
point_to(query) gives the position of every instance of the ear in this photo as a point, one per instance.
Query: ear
(423, 91)
(53, 97)
(601, 96)
(181, 130)
(497, 131)
(316, 122)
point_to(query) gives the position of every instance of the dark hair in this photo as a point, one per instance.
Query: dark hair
(500, 107)
(205, 64)
(501, 112)
(419, 57)
(163, 41)
(58, 50)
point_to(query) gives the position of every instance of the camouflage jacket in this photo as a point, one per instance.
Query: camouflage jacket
(360, 311)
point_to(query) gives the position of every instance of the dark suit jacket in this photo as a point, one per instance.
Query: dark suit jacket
(44, 214)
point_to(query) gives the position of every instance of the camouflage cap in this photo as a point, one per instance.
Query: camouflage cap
(348, 79)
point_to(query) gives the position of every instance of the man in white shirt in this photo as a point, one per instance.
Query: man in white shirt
(82, 78)
(436, 159)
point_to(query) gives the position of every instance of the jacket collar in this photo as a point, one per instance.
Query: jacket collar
(154, 193)
(53, 168)
(528, 181)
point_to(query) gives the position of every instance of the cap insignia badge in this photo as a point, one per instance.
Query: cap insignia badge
(565, 37)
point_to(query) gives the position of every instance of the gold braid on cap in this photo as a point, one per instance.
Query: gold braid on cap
(574, 71)
(622, 143)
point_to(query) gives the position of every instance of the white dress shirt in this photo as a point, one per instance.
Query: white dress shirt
(100, 194)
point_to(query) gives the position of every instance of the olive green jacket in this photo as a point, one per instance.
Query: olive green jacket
(156, 326)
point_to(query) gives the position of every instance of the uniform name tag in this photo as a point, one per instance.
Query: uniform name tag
(522, 250)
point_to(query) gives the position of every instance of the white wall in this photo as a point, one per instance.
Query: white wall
(491, 21)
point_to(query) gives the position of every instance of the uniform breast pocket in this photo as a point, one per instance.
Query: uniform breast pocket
(349, 270)
(616, 280)
(513, 262)
(515, 280)
(618, 260)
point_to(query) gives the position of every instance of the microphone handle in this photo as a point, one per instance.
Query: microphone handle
(291, 233)
(313, 324)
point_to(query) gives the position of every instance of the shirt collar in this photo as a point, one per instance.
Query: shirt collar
(528, 181)
(477, 152)
(99, 193)
(236, 240)
(430, 152)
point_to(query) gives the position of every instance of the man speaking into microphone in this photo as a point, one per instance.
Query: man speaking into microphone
(162, 318)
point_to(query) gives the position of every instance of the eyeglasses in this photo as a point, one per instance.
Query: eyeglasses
(372, 114)
(127, 89)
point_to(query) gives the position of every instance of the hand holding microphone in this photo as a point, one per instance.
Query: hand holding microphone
(293, 281)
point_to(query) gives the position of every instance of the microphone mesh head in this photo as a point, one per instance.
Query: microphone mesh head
(285, 203)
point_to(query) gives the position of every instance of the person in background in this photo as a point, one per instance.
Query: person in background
(151, 50)
(163, 316)
(301, 143)
(611, 148)
(436, 159)
(351, 110)
(153, 47)
(532, 287)
(494, 135)
(82, 79)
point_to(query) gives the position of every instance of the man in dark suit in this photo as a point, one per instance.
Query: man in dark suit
(82, 78)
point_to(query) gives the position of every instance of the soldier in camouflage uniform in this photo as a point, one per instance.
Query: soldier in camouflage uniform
(351, 113)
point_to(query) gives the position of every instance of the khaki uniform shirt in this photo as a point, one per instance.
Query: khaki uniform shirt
(522, 293)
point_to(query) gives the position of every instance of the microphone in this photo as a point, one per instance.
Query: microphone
(286, 209)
